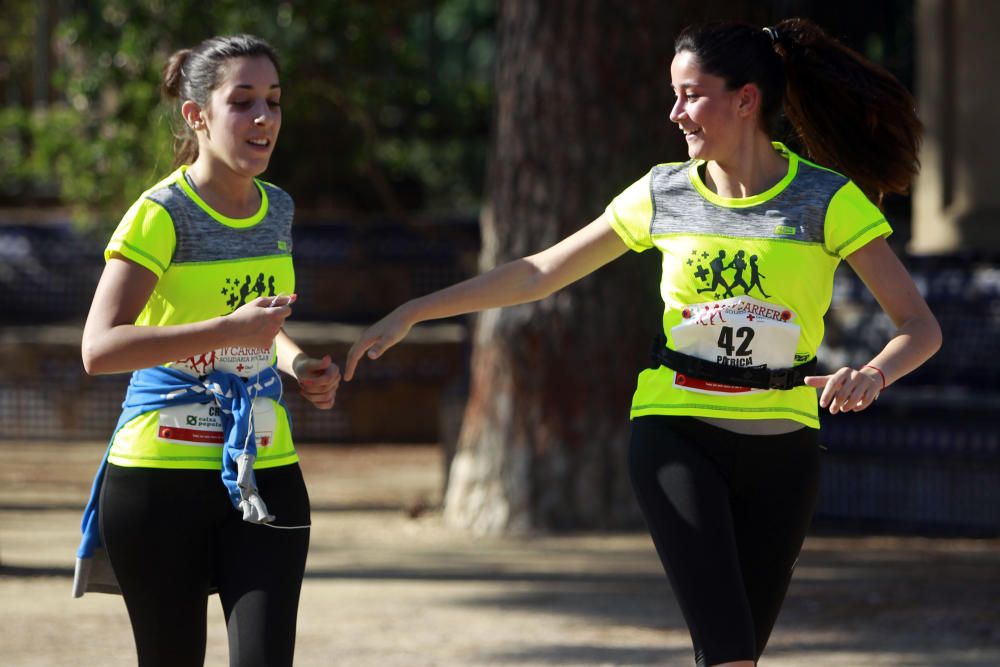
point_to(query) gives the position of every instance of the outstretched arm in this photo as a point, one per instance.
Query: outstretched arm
(112, 343)
(917, 337)
(519, 281)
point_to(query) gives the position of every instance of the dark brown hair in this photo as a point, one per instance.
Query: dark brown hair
(850, 114)
(192, 74)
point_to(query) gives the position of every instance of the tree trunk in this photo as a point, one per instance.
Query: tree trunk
(583, 96)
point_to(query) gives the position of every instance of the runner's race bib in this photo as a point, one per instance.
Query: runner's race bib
(201, 424)
(742, 332)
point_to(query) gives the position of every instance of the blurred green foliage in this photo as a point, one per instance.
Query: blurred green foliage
(386, 103)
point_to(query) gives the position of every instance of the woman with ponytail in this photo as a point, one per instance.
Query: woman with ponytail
(724, 454)
(200, 489)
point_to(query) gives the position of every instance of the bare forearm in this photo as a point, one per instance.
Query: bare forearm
(113, 344)
(918, 334)
(509, 284)
(287, 351)
(523, 280)
(128, 347)
(520, 281)
(915, 342)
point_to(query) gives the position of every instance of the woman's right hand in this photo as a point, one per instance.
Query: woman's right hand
(256, 323)
(378, 338)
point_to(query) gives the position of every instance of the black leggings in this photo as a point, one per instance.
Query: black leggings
(728, 514)
(173, 537)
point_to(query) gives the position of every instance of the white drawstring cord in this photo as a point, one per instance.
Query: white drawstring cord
(271, 525)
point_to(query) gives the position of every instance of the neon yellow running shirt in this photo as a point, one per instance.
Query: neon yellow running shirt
(207, 265)
(746, 282)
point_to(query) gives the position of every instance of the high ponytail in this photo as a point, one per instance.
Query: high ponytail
(192, 74)
(850, 114)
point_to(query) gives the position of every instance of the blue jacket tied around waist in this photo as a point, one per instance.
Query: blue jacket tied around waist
(160, 387)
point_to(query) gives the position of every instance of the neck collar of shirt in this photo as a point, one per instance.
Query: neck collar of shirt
(746, 202)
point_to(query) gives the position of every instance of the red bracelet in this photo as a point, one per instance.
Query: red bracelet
(879, 371)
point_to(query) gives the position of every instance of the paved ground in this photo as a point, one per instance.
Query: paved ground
(389, 586)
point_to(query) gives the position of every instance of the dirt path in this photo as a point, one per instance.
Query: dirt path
(388, 585)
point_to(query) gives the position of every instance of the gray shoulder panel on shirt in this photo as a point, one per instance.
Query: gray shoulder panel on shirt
(797, 213)
(202, 238)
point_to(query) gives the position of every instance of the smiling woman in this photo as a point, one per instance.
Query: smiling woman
(196, 288)
(724, 455)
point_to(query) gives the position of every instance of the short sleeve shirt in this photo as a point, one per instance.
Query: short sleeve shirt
(746, 282)
(207, 265)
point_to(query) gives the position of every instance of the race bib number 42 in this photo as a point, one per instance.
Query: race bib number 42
(742, 332)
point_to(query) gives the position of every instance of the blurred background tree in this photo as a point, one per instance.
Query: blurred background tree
(390, 99)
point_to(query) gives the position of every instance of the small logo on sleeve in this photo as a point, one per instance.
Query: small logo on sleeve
(282, 245)
(785, 230)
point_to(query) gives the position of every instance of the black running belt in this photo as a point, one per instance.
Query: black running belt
(756, 378)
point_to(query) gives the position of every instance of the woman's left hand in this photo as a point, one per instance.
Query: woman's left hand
(847, 390)
(318, 379)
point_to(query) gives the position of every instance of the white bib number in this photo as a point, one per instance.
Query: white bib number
(742, 332)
